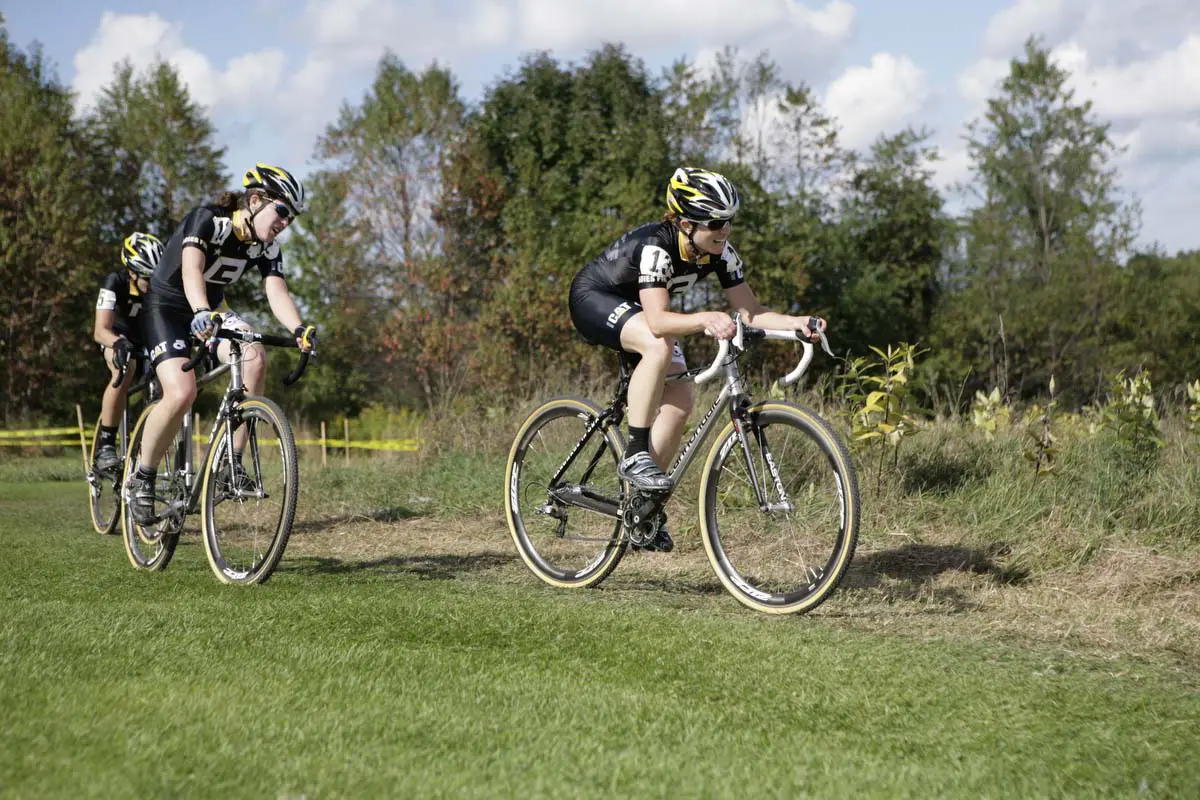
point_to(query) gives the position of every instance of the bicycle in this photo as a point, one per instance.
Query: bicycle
(778, 502)
(104, 486)
(246, 515)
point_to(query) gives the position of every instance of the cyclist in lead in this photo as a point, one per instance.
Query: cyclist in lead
(211, 248)
(117, 332)
(621, 300)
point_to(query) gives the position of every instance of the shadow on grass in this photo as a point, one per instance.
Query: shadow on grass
(943, 473)
(672, 585)
(426, 567)
(387, 514)
(908, 572)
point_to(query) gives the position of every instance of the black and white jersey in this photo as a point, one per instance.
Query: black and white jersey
(120, 296)
(210, 229)
(652, 256)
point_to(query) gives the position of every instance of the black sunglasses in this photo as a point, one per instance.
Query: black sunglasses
(284, 211)
(712, 224)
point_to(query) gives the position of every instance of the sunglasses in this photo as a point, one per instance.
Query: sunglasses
(712, 224)
(284, 211)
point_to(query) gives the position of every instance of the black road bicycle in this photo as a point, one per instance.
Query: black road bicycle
(246, 514)
(104, 486)
(778, 505)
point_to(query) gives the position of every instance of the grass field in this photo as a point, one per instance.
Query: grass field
(993, 639)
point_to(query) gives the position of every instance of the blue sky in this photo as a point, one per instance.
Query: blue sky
(274, 73)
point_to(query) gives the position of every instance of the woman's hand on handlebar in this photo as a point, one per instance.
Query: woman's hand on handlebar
(306, 338)
(204, 322)
(810, 326)
(717, 324)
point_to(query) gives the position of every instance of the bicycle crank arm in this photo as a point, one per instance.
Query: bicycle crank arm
(572, 494)
(172, 509)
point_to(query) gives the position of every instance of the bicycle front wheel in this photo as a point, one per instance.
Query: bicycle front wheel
(566, 531)
(104, 491)
(779, 509)
(151, 547)
(248, 506)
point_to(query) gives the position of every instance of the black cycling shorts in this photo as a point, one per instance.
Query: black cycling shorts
(166, 330)
(599, 317)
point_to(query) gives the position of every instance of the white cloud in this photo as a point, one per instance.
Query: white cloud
(144, 39)
(879, 99)
(979, 81)
(1009, 28)
(554, 24)
(455, 32)
(1167, 84)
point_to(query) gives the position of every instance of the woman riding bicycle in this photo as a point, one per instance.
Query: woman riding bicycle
(621, 300)
(210, 249)
(117, 332)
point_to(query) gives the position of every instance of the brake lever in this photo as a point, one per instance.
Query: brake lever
(814, 325)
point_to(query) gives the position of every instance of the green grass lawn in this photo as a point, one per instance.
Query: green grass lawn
(370, 677)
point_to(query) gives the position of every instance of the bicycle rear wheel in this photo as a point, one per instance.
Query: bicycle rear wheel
(104, 490)
(568, 534)
(151, 547)
(247, 514)
(786, 551)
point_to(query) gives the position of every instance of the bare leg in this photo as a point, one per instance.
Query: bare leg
(678, 400)
(179, 391)
(112, 404)
(646, 382)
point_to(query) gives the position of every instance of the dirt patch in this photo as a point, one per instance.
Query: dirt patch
(1126, 603)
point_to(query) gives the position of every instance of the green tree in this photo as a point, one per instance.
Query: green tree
(49, 262)
(392, 152)
(335, 284)
(1042, 248)
(158, 151)
(895, 230)
(580, 155)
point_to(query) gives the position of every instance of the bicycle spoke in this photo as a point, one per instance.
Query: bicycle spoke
(785, 555)
(250, 500)
(563, 534)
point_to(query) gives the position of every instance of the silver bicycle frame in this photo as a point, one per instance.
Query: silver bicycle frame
(733, 389)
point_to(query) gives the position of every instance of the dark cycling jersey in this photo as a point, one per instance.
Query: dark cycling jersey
(210, 228)
(651, 256)
(117, 295)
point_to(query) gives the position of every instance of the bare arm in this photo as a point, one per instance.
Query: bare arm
(193, 278)
(103, 332)
(280, 300)
(664, 322)
(755, 314)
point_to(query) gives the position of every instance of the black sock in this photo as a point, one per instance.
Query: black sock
(146, 474)
(639, 441)
(108, 435)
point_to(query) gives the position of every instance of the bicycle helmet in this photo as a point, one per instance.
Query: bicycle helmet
(698, 195)
(278, 184)
(141, 253)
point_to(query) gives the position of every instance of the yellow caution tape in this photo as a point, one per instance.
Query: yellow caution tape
(40, 432)
(402, 445)
(394, 445)
(39, 443)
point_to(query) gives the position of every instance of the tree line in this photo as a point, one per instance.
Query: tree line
(444, 233)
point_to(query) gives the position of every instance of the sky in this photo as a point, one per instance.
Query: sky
(274, 74)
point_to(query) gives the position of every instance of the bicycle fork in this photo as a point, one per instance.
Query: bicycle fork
(764, 505)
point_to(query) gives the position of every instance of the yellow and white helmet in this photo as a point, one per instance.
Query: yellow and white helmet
(279, 184)
(699, 195)
(141, 253)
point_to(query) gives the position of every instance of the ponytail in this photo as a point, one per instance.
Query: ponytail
(230, 201)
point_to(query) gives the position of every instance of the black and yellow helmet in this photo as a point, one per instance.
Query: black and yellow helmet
(279, 184)
(141, 253)
(699, 195)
